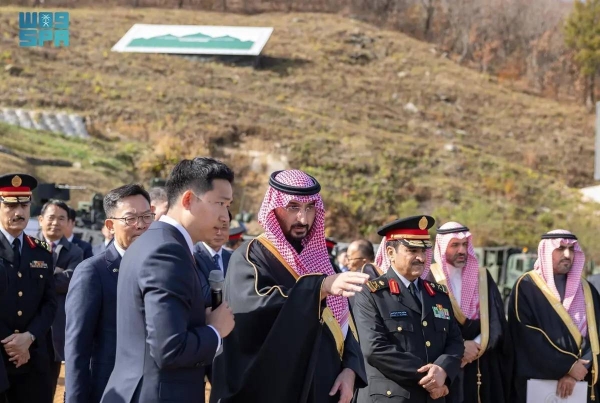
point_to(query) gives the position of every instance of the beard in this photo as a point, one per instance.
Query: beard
(296, 240)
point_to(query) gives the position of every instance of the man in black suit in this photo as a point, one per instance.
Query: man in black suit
(86, 247)
(165, 334)
(29, 303)
(66, 256)
(91, 335)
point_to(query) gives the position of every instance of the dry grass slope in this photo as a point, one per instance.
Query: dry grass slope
(332, 95)
(99, 164)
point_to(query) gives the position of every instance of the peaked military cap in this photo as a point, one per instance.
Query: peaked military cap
(236, 230)
(411, 231)
(16, 188)
(330, 242)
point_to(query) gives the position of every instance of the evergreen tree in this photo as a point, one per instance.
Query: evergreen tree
(582, 34)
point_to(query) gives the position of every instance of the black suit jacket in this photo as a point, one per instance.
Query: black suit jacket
(86, 247)
(163, 342)
(397, 338)
(66, 258)
(28, 304)
(91, 334)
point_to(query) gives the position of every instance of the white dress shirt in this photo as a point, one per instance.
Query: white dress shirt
(405, 281)
(456, 282)
(120, 250)
(188, 239)
(70, 239)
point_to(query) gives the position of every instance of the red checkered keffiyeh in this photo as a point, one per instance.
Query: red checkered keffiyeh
(314, 258)
(383, 262)
(469, 297)
(574, 301)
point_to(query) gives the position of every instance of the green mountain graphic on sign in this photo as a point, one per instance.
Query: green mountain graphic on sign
(195, 41)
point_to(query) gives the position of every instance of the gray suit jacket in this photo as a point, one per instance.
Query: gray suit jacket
(163, 343)
(66, 258)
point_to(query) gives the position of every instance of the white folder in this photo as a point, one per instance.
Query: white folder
(544, 391)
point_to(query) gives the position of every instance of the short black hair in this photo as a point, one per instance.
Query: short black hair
(365, 248)
(57, 203)
(158, 194)
(72, 214)
(116, 195)
(198, 175)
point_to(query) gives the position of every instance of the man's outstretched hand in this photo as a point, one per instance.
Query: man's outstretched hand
(343, 284)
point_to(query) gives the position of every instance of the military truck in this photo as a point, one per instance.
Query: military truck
(90, 215)
(505, 264)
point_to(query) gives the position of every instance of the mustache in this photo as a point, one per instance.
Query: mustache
(299, 226)
(17, 218)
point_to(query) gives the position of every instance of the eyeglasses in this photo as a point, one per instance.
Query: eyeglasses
(132, 220)
(296, 209)
(351, 259)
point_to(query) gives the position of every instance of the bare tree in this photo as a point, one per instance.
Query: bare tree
(429, 7)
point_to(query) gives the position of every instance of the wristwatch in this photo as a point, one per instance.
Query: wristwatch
(32, 337)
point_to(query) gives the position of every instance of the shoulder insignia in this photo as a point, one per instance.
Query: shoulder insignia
(33, 242)
(394, 288)
(377, 284)
(437, 287)
(428, 288)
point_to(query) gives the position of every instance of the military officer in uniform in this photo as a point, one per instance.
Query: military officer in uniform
(408, 335)
(29, 303)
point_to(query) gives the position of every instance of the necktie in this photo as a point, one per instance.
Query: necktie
(413, 290)
(216, 260)
(54, 257)
(16, 247)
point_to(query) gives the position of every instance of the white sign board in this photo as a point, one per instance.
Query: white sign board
(543, 391)
(194, 39)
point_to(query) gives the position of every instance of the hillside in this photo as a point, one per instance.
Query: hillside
(388, 126)
(95, 165)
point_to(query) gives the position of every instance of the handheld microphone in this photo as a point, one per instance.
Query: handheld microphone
(216, 281)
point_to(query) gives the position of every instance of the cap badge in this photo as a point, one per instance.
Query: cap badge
(16, 181)
(423, 223)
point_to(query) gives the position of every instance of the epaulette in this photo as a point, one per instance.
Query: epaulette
(378, 284)
(437, 287)
(33, 242)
